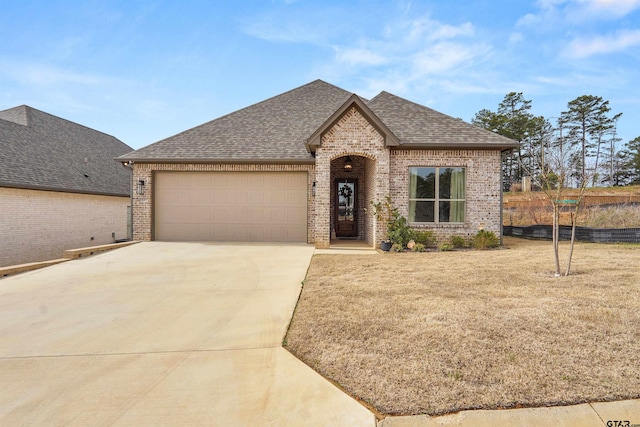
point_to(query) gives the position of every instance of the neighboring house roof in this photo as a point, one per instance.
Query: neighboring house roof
(287, 127)
(44, 152)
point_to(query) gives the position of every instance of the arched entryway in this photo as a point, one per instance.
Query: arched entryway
(352, 189)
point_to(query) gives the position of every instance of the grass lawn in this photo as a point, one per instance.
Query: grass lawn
(439, 332)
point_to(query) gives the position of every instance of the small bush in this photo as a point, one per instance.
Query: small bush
(459, 242)
(418, 247)
(485, 239)
(398, 230)
(424, 237)
(396, 248)
(446, 246)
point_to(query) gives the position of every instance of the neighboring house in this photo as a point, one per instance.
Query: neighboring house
(60, 187)
(303, 166)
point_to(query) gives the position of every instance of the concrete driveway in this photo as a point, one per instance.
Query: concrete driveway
(162, 334)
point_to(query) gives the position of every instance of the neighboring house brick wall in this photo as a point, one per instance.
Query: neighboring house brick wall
(352, 135)
(40, 225)
(483, 192)
(143, 203)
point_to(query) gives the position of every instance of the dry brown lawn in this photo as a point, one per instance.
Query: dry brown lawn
(439, 332)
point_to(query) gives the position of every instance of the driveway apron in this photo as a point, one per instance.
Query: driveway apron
(163, 333)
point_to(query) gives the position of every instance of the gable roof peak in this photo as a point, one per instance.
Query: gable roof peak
(18, 115)
(390, 139)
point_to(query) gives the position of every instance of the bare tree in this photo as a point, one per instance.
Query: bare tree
(554, 164)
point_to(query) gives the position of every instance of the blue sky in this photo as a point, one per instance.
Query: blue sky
(146, 70)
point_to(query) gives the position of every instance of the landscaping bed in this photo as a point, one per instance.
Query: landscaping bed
(439, 332)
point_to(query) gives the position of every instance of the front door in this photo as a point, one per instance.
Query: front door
(346, 221)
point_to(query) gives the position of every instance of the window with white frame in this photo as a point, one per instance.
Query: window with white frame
(437, 194)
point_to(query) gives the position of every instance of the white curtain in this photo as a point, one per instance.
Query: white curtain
(456, 214)
(413, 193)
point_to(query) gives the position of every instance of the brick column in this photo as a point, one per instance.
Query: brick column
(322, 200)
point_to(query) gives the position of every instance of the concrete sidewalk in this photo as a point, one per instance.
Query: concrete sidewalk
(162, 334)
(584, 415)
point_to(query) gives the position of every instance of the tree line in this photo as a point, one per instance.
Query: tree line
(584, 138)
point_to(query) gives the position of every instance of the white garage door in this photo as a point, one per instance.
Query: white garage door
(231, 206)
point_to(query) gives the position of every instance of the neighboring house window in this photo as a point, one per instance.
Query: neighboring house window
(436, 194)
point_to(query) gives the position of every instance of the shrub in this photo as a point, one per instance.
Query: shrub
(398, 230)
(396, 248)
(418, 247)
(446, 246)
(424, 237)
(458, 242)
(485, 239)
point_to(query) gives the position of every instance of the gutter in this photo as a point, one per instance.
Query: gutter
(456, 146)
(60, 189)
(309, 161)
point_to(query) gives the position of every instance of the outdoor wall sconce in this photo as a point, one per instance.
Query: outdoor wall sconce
(348, 164)
(313, 189)
(141, 186)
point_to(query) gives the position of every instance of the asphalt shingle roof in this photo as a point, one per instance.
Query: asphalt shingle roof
(278, 128)
(417, 125)
(275, 129)
(42, 151)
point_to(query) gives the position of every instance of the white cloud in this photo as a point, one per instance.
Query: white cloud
(272, 31)
(47, 75)
(515, 38)
(444, 57)
(358, 57)
(400, 60)
(554, 14)
(427, 29)
(611, 8)
(584, 47)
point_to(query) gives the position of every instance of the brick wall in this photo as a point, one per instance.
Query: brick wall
(380, 171)
(483, 190)
(351, 136)
(143, 203)
(39, 225)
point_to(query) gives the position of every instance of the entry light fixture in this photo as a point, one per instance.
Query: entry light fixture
(348, 164)
(313, 189)
(141, 186)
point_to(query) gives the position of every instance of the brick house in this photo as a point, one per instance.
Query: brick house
(303, 166)
(60, 187)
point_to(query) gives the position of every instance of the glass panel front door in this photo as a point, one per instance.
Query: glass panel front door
(346, 222)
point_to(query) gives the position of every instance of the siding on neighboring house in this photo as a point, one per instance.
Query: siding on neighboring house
(39, 225)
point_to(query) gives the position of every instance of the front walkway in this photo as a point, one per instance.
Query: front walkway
(348, 247)
(163, 334)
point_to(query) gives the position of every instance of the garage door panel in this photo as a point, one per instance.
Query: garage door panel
(231, 206)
